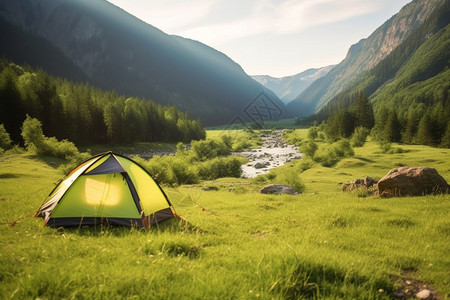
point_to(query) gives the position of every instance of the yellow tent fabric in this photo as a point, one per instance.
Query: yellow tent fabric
(106, 189)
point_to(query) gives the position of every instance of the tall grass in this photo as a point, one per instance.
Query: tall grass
(236, 243)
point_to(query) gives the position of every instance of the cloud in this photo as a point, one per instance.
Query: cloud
(279, 18)
(169, 16)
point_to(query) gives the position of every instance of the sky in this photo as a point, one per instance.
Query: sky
(269, 37)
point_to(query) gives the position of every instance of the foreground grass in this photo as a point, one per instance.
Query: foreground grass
(237, 243)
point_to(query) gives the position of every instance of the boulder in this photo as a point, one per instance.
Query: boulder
(278, 189)
(259, 165)
(412, 181)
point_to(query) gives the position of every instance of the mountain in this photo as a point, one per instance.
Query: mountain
(363, 56)
(97, 42)
(408, 90)
(289, 87)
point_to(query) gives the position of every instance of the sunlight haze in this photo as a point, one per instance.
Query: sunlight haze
(277, 38)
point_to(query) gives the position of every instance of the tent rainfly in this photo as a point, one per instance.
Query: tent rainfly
(106, 189)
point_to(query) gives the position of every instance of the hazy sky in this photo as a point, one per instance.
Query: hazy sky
(270, 37)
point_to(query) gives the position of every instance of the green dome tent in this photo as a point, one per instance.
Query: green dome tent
(106, 189)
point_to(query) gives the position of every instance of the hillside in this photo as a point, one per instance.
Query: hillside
(363, 56)
(289, 87)
(409, 88)
(116, 51)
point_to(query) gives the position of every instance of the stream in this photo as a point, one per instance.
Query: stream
(273, 153)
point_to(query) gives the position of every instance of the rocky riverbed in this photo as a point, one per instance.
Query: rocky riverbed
(273, 153)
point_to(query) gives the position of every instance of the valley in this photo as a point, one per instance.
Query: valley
(182, 122)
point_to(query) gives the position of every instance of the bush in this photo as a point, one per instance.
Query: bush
(33, 136)
(182, 171)
(241, 146)
(359, 136)
(343, 148)
(208, 149)
(313, 133)
(63, 149)
(158, 168)
(5, 139)
(221, 167)
(37, 142)
(329, 155)
(266, 177)
(387, 148)
(304, 164)
(308, 148)
(291, 179)
(170, 170)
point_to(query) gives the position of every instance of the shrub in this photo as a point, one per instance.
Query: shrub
(343, 148)
(313, 133)
(36, 142)
(291, 179)
(5, 139)
(266, 177)
(325, 156)
(387, 148)
(329, 155)
(33, 135)
(241, 146)
(221, 167)
(63, 149)
(208, 149)
(308, 148)
(182, 171)
(171, 170)
(304, 164)
(359, 136)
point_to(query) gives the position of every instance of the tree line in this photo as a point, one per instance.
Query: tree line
(84, 114)
(419, 116)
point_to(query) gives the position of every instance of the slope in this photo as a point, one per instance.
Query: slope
(363, 56)
(411, 86)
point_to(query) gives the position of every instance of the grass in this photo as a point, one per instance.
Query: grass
(237, 243)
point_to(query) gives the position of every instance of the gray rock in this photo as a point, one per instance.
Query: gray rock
(399, 295)
(259, 165)
(278, 189)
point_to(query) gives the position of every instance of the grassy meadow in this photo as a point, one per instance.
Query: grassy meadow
(236, 242)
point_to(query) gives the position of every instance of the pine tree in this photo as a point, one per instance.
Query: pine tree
(425, 130)
(364, 111)
(445, 141)
(392, 128)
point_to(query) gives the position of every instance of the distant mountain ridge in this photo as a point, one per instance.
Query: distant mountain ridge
(289, 87)
(116, 51)
(362, 57)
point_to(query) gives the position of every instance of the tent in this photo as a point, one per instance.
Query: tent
(106, 189)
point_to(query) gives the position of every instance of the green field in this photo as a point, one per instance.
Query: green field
(236, 243)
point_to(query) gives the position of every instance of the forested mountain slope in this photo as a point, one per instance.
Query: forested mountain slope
(410, 88)
(84, 114)
(115, 50)
(363, 56)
